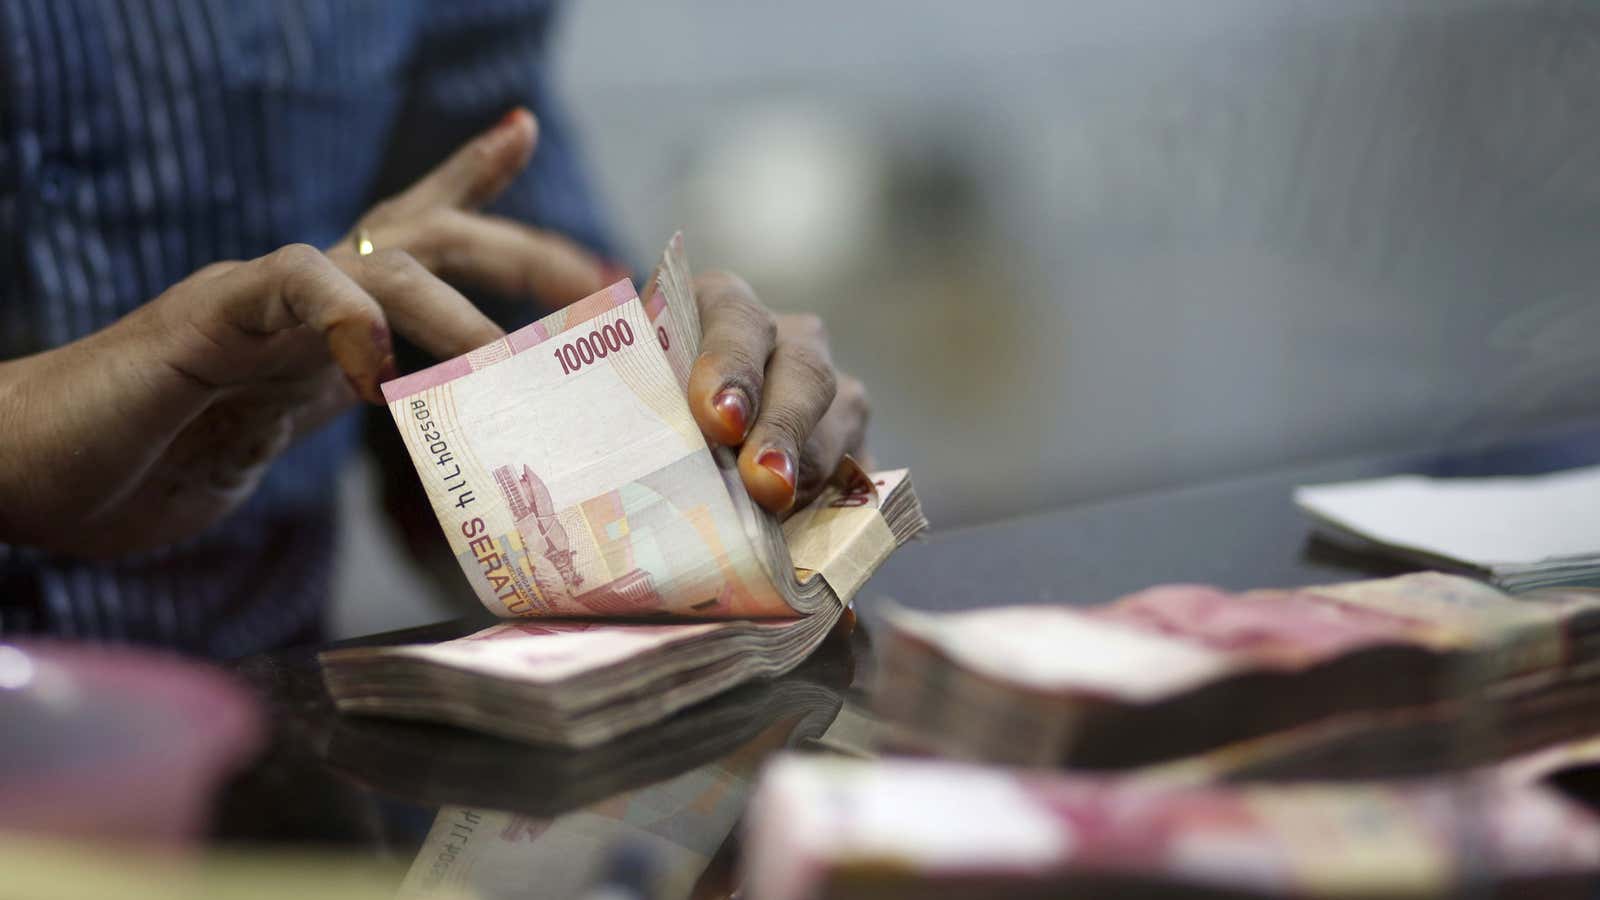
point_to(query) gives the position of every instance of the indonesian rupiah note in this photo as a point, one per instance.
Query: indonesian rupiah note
(820, 828)
(570, 477)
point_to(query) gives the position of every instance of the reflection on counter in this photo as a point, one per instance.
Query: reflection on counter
(682, 825)
(487, 817)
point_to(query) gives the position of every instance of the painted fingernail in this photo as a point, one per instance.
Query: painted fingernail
(778, 463)
(734, 410)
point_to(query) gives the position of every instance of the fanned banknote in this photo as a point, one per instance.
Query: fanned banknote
(571, 478)
(830, 828)
(575, 487)
(578, 682)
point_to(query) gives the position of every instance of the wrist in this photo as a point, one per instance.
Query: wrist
(25, 473)
(81, 422)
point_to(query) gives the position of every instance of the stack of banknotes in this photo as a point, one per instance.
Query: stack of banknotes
(683, 822)
(1389, 677)
(1521, 532)
(578, 495)
(822, 828)
(438, 766)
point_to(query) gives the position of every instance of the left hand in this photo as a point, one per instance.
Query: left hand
(766, 383)
(763, 382)
(438, 223)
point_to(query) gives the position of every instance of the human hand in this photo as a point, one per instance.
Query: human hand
(437, 225)
(154, 428)
(765, 383)
(768, 375)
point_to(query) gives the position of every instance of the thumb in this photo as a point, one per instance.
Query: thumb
(480, 170)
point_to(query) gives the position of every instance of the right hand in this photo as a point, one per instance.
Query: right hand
(151, 430)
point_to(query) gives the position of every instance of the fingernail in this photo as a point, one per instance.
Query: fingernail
(778, 463)
(506, 120)
(611, 273)
(734, 409)
(383, 342)
(363, 392)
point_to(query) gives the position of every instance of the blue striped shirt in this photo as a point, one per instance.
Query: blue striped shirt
(141, 140)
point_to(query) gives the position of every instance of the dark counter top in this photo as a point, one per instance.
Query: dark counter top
(542, 823)
(1238, 534)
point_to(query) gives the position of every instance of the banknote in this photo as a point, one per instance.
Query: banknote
(439, 766)
(1180, 670)
(683, 820)
(1520, 532)
(579, 682)
(578, 495)
(820, 828)
(571, 479)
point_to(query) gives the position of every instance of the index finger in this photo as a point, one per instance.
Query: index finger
(297, 286)
(478, 171)
(427, 311)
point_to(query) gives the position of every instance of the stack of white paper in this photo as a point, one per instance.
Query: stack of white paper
(1522, 532)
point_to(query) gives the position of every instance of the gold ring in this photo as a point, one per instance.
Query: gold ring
(363, 242)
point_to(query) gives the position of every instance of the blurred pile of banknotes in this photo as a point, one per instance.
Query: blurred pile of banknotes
(1425, 735)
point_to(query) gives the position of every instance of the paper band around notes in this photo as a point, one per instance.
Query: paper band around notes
(844, 540)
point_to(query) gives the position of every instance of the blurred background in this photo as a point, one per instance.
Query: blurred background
(1083, 249)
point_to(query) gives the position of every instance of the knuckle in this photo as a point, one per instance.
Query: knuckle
(434, 220)
(810, 327)
(298, 269)
(212, 270)
(787, 423)
(762, 323)
(393, 261)
(744, 329)
(766, 324)
(739, 366)
(479, 155)
(432, 248)
(814, 465)
(815, 368)
(720, 290)
(292, 259)
(722, 284)
(853, 395)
